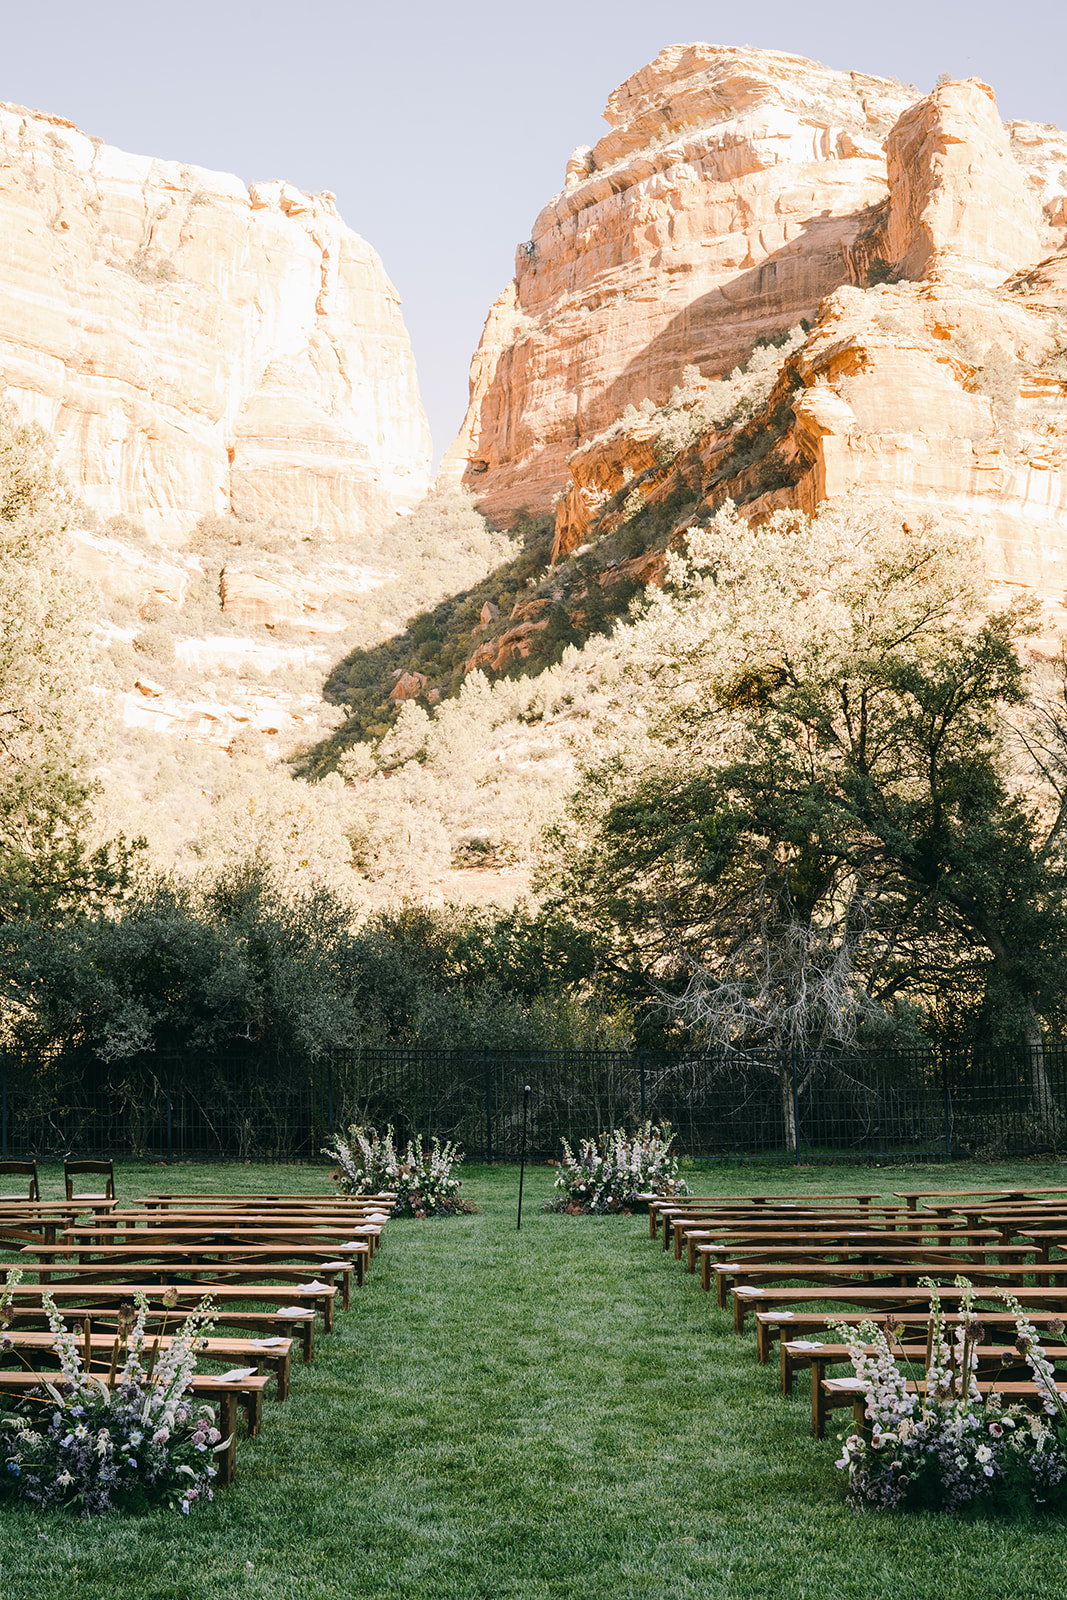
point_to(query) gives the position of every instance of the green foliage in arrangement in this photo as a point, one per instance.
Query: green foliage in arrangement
(613, 1171)
(423, 1180)
(136, 1441)
(949, 1447)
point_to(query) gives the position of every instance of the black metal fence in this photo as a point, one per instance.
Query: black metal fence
(743, 1105)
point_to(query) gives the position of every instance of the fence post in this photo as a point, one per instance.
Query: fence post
(488, 1110)
(3, 1098)
(170, 1130)
(947, 1093)
(329, 1096)
(641, 1076)
(796, 1109)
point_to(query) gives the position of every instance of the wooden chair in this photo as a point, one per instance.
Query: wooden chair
(23, 1169)
(76, 1169)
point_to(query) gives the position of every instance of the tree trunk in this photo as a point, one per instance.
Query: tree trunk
(787, 1082)
(1042, 1099)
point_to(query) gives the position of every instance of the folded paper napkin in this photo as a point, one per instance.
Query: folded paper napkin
(334, 1266)
(806, 1344)
(730, 1266)
(378, 1216)
(352, 1244)
(783, 1316)
(294, 1311)
(234, 1375)
(746, 1288)
(269, 1344)
(316, 1286)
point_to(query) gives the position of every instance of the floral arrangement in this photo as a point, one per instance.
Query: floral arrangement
(92, 1446)
(609, 1173)
(423, 1181)
(940, 1443)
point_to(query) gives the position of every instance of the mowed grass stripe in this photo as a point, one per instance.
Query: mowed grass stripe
(560, 1413)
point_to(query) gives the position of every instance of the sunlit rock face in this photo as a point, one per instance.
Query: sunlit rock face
(197, 346)
(716, 210)
(735, 191)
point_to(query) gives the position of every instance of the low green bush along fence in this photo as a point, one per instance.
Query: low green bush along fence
(742, 1105)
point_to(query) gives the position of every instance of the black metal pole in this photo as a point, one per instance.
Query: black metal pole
(522, 1159)
(488, 1110)
(796, 1110)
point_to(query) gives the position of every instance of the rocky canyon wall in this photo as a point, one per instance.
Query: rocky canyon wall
(199, 346)
(735, 191)
(943, 388)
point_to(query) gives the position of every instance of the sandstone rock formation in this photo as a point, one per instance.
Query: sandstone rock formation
(958, 201)
(736, 190)
(196, 346)
(943, 390)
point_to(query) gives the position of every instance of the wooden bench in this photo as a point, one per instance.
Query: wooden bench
(657, 1205)
(296, 1324)
(159, 1265)
(870, 1262)
(834, 1392)
(273, 1354)
(791, 1326)
(332, 1237)
(96, 1295)
(877, 1297)
(730, 1241)
(910, 1196)
(228, 1393)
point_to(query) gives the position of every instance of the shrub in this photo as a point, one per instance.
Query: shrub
(157, 643)
(423, 1181)
(609, 1173)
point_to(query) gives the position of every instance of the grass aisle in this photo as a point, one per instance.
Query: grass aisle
(558, 1413)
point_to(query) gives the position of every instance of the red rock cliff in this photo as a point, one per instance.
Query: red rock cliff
(716, 210)
(734, 192)
(197, 346)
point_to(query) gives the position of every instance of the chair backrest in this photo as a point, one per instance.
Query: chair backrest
(23, 1169)
(75, 1169)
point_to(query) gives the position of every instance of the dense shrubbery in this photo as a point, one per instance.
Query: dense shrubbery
(232, 961)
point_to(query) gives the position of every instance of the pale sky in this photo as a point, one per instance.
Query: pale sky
(444, 128)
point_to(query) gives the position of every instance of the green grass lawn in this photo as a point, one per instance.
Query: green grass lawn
(556, 1413)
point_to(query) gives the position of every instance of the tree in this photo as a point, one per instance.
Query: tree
(49, 712)
(827, 824)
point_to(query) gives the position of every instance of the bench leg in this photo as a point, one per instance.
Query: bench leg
(818, 1400)
(253, 1406)
(227, 1459)
(740, 1308)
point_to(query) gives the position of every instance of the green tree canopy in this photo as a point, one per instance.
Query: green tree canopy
(825, 825)
(50, 715)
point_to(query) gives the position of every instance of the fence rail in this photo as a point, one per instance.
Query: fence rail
(918, 1106)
